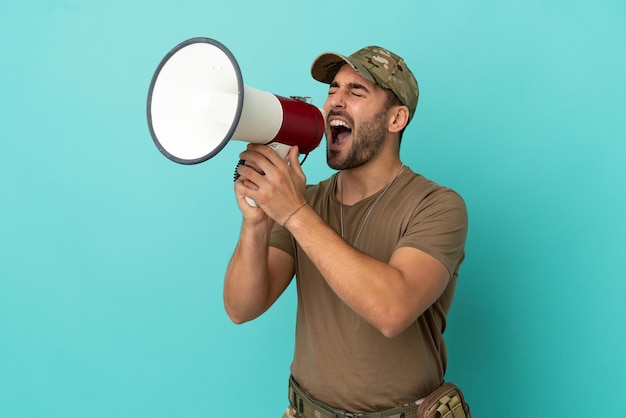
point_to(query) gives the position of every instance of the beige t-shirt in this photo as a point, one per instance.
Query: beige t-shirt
(340, 359)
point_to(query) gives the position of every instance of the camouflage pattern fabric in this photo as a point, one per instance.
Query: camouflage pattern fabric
(291, 413)
(375, 64)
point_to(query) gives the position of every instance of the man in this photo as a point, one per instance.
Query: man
(375, 249)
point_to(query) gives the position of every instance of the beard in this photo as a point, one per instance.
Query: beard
(365, 145)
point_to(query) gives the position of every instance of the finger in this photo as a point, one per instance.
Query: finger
(294, 162)
(248, 171)
(270, 154)
(264, 150)
(252, 159)
(248, 185)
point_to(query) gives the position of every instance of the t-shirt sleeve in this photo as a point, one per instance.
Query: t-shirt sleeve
(439, 228)
(282, 239)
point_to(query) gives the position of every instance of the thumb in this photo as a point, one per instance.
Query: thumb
(294, 162)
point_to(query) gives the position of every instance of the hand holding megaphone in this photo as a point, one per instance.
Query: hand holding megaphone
(281, 149)
(197, 103)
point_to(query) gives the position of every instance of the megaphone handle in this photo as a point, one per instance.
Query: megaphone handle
(282, 150)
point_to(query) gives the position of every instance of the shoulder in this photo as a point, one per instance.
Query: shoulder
(425, 193)
(437, 221)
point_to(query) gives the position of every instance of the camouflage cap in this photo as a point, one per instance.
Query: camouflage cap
(375, 64)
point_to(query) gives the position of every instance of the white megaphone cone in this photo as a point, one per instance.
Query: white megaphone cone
(197, 103)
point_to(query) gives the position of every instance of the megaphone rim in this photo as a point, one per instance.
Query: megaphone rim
(238, 111)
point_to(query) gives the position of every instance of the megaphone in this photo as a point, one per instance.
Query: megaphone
(198, 102)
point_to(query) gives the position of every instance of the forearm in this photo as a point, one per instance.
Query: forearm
(374, 289)
(247, 284)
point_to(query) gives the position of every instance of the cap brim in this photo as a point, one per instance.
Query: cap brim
(326, 66)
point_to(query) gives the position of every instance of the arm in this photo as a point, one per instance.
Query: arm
(390, 296)
(257, 274)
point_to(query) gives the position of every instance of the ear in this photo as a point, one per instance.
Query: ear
(398, 118)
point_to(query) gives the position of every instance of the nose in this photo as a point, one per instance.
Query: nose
(336, 100)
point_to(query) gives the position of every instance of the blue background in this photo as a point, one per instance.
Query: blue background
(112, 257)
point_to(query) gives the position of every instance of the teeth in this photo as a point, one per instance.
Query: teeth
(336, 123)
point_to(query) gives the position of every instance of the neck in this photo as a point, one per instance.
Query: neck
(362, 182)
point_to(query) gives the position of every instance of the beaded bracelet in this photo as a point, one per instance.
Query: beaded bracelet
(293, 213)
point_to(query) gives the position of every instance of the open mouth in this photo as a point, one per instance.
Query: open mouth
(340, 131)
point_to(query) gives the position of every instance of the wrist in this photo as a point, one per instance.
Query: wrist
(292, 213)
(258, 229)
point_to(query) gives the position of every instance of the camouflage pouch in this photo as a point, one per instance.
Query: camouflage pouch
(446, 401)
